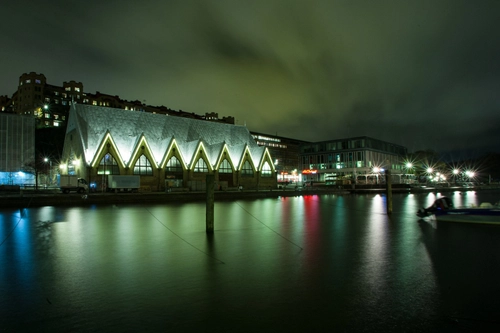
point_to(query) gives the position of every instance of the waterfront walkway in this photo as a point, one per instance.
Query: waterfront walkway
(54, 197)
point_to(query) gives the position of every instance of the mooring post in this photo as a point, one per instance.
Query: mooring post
(210, 203)
(388, 182)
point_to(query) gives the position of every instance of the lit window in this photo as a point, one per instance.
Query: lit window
(143, 166)
(247, 170)
(94, 103)
(77, 89)
(225, 167)
(28, 81)
(56, 124)
(108, 166)
(200, 166)
(67, 88)
(38, 81)
(56, 93)
(174, 165)
(47, 115)
(266, 170)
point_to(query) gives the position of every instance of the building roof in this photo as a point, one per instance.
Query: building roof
(128, 129)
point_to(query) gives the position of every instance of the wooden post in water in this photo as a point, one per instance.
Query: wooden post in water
(210, 203)
(388, 183)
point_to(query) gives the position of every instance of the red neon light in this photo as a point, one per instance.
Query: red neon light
(309, 171)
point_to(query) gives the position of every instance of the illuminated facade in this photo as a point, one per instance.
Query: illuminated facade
(359, 160)
(165, 151)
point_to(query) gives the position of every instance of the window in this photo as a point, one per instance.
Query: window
(67, 88)
(108, 166)
(266, 170)
(38, 81)
(174, 165)
(143, 166)
(247, 170)
(77, 89)
(225, 167)
(200, 166)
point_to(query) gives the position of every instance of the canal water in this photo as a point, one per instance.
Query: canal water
(313, 263)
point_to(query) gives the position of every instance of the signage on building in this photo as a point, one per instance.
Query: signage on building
(309, 171)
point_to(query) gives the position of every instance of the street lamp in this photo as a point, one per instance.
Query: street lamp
(46, 159)
(376, 170)
(455, 174)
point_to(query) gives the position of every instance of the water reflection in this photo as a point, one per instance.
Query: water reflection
(302, 263)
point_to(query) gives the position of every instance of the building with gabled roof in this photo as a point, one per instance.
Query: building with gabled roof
(162, 149)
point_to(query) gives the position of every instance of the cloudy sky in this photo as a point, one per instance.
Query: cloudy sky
(423, 74)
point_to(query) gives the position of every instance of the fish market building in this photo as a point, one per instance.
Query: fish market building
(165, 151)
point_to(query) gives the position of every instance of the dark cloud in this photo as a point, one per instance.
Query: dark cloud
(423, 74)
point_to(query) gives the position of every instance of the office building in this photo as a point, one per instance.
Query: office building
(17, 149)
(359, 160)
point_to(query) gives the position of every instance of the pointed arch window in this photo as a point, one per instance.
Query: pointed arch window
(200, 166)
(143, 166)
(266, 170)
(108, 166)
(173, 165)
(247, 170)
(225, 167)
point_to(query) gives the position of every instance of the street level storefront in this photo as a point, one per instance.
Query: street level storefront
(165, 151)
(359, 160)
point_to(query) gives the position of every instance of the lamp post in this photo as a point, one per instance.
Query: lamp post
(46, 159)
(455, 174)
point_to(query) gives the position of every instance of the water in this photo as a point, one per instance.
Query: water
(313, 263)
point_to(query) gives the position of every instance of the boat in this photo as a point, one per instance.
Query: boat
(442, 210)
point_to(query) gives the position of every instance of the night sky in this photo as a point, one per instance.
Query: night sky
(423, 74)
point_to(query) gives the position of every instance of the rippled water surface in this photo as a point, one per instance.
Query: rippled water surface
(310, 263)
